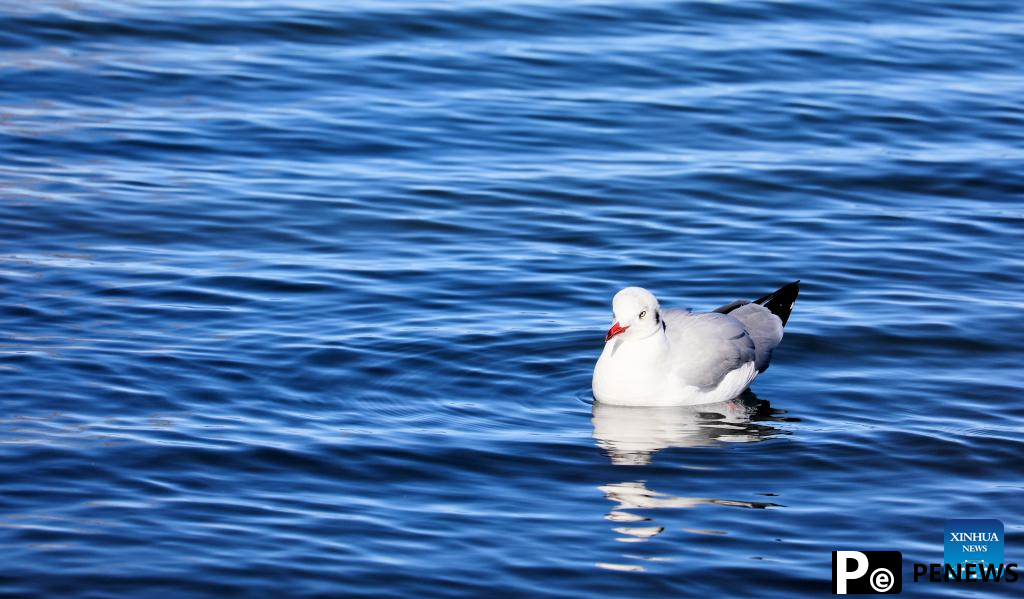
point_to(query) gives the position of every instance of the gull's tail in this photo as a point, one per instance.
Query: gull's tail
(780, 302)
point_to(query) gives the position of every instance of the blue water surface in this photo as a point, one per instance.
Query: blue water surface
(302, 298)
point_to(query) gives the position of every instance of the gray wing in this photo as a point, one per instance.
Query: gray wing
(711, 345)
(764, 328)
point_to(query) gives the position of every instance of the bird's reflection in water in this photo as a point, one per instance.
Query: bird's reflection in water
(631, 436)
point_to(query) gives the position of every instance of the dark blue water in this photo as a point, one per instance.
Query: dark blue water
(303, 298)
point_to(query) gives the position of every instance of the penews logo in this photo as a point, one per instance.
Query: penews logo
(867, 572)
(973, 552)
(973, 547)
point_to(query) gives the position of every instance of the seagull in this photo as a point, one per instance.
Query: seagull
(658, 357)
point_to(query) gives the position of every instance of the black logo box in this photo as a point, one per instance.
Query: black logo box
(877, 560)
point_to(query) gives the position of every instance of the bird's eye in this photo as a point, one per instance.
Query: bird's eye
(644, 313)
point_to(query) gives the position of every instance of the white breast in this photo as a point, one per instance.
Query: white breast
(640, 373)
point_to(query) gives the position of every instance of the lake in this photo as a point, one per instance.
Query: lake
(303, 298)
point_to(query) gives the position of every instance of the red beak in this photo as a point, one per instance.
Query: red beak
(615, 330)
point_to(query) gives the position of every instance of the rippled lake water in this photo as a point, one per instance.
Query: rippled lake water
(303, 298)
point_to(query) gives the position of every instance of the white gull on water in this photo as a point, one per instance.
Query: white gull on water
(658, 357)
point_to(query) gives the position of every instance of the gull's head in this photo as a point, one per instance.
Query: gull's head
(635, 314)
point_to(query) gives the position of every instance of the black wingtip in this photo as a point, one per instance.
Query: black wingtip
(780, 302)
